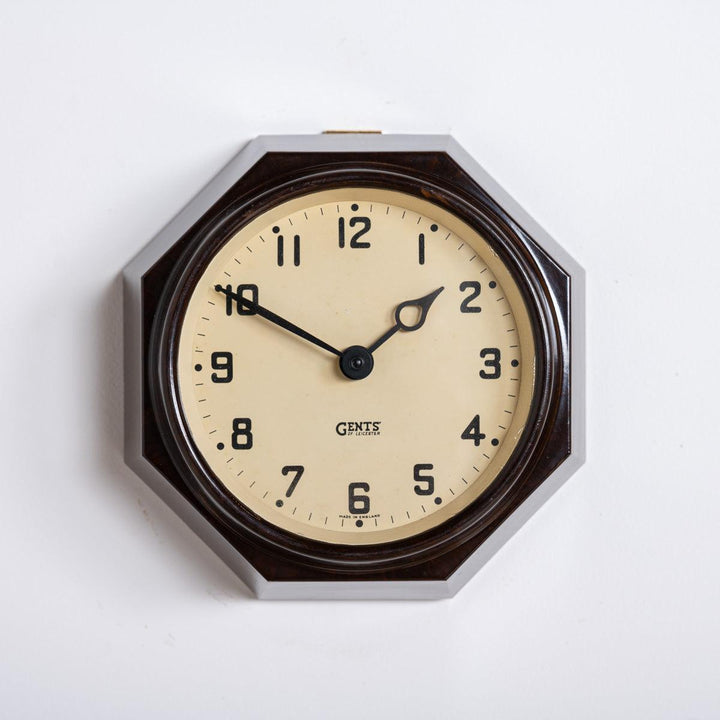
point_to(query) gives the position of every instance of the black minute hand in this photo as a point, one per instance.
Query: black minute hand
(273, 318)
(423, 304)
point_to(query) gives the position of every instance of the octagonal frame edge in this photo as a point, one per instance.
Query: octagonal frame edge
(176, 228)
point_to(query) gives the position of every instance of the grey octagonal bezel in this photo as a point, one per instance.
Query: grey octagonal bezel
(133, 344)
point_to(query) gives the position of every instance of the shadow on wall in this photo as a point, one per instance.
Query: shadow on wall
(214, 577)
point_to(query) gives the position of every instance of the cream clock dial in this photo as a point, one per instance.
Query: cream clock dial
(355, 365)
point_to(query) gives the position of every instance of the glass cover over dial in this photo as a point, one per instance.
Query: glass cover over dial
(356, 365)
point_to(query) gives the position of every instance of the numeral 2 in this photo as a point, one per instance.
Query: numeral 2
(474, 287)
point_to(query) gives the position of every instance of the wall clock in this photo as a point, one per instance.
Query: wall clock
(350, 365)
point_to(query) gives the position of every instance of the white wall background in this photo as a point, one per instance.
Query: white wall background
(602, 119)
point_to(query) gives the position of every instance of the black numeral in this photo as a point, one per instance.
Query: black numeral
(355, 241)
(246, 292)
(472, 431)
(222, 361)
(421, 248)
(474, 288)
(358, 504)
(298, 470)
(429, 481)
(242, 431)
(492, 361)
(281, 250)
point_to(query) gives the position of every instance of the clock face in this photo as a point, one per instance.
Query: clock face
(355, 366)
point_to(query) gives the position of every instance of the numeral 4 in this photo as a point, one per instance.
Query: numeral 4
(472, 431)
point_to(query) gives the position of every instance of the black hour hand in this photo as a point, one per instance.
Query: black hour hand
(422, 304)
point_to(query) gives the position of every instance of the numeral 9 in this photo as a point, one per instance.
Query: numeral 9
(222, 361)
(474, 287)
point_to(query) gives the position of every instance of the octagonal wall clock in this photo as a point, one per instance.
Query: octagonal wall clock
(350, 365)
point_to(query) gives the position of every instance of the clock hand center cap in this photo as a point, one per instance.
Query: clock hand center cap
(356, 362)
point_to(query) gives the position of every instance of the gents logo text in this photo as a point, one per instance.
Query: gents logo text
(363, 427)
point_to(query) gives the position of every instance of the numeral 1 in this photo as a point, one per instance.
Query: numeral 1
(474, 287)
